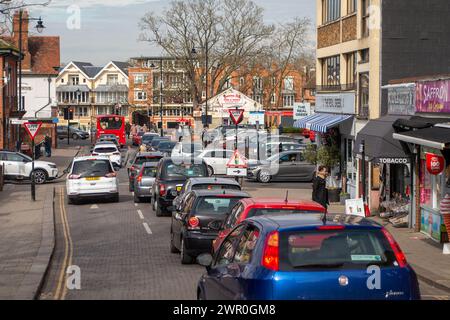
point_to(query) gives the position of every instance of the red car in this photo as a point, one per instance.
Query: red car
(251, 207)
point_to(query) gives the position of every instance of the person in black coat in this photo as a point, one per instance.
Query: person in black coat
(320, 192)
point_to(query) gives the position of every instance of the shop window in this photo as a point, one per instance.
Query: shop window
(432, 188)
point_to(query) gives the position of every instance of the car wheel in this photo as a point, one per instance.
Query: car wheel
(75, 136)
(264, 176)
(40, 176)
(185, 258)
(173, 249)
(158, 210)
(116, 198)
(210, 171)
(71, 201)
(136, 198)
(200, 295)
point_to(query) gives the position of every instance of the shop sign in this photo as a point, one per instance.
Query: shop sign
(435, 163)
(355, 207)
(343, 103)
(231, 98)
(393, 160)
(433, 96)
(402, 100)
(301, 110)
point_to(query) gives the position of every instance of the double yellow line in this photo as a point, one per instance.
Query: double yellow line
(61, 287)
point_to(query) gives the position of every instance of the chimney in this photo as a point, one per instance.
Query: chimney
(26, 62)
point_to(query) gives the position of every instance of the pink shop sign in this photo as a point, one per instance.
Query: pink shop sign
(433, 96)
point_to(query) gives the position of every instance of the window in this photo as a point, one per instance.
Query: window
(365, 18)
(331, 10)
(289, 83)
(241, 82)
(228, 248)
(288, 100)
(351, 67)
(365, 57)
(351, 6)
(246, 245)
(364, 95)
(274, 82)
(140, 78)
(234, 216)
(74, 80)
(81, 112)
(257, 84)
(257, 98)
(112, 79)
(331, 69)
(273, 98)
(140, 95)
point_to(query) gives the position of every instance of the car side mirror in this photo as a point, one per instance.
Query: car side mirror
(205, 260)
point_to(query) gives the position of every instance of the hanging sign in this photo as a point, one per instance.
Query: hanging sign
(32, 128)
(237, 115)
(435, 163)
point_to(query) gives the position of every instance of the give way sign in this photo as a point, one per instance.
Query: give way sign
(237, 115)
(32, 128)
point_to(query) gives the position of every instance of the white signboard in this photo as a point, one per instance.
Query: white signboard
(237, 172)
(256, 117)
(355, 207)
(232, 98)
(336, 103)
(301, 110)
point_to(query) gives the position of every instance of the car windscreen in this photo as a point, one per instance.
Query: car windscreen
(215, 205)
(90, 168)
(166, 145)
(184, 170)
(140, 160)
(215, 187)
(278, 211)
(149, 172)
(105, 150)
(156, 142)
(334, 249)
(148, 138)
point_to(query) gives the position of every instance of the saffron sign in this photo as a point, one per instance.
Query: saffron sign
(435, 163)
(433, 96)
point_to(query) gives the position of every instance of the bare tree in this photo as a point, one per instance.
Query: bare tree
(232, 32)
(7, 9)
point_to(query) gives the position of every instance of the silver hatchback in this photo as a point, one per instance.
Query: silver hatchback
(143, 183)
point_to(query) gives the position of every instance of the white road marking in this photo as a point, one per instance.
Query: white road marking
(94, 206)
(140, 214)
(147, 228)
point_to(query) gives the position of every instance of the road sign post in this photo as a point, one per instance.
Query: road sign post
(33, 128)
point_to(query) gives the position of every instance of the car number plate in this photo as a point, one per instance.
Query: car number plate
(92, 178)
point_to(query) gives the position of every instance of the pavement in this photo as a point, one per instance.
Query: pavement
(27, 233)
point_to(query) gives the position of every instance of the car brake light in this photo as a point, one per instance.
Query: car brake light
(399, 255)
(74, 176)
(331, 227)
(193, 223)
(94, 154)
(111, 175)
(271, 252)
(162, 190)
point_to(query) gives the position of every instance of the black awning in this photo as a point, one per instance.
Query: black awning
(437, 137)
(416, 122)
(380, 146)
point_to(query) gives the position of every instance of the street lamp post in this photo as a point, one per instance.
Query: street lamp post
(194, 52)
(160, 93)
(78, 94)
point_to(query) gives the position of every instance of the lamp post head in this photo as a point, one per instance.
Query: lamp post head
(40, 26)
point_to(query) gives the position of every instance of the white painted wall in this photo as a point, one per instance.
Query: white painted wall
(35, 91)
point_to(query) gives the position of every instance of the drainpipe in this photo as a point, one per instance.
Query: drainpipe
(49, 97)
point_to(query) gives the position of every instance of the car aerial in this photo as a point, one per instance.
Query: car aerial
(216, 159)
(172, 173)
(143, 183)
(301, 257)
(148, 137)
(137, 138)
(92, 177)
(110, 150)
(73, 133)
(18, 166)
(194, 226)
(206, 183)
(247, 208)
(138, 161)
(187, 149)
(285, 166)
(166, 147)
(156, 141)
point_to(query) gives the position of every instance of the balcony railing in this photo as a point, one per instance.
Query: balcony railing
(339, 87)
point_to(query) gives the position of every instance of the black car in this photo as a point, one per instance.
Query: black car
(156, 141)
(172, 174)
(74, 133)
(166, 147)
(195, 225)
(137, 162)
(148, 137)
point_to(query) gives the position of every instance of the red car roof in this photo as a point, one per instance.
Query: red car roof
(275, 203)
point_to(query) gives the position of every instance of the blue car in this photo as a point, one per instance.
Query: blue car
(311, 256)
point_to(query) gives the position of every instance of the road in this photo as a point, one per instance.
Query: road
(122, 249)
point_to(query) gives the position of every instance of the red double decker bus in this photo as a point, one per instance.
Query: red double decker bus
(112, 124)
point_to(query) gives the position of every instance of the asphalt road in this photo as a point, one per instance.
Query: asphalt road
(122, 249)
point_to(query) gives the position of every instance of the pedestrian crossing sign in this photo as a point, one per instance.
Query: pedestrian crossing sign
(237, 161)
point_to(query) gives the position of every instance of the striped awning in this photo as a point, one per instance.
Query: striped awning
(321, 122)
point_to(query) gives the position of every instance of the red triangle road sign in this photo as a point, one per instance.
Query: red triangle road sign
(32, 128)
(237, 115)
(237, 161)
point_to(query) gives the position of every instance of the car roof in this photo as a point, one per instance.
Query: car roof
(104, 145)
(224, 192)
(291, 221)
(213, 180)
(83, 158)
(187, 159)
(150, 164)
(149, 154)
(150, 134)
(278, 203)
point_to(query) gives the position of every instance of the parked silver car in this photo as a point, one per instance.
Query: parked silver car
(143, 183)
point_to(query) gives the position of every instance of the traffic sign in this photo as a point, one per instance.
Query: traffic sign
(237, 161)
(32, 128)
(237, 115)
(237, 172)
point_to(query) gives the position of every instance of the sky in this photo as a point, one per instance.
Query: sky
(108, 29)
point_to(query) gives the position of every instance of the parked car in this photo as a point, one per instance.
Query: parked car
(109, 150)
(143, 183)
(247, 208)
(148, 137)
(166, 147)
(216, 159)
(18, 166)
(285, 166)
(74, 133)
(187, 149)
(92, 177)
(138, 161)
(205, 183)
(172, 174)
(137, 138)
(302, 257)
(192, 229)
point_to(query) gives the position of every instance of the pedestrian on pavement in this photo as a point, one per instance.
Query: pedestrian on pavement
(133, 130)
(48, 145)
(145, 128)
(127, 129)
(280, 128)
(320, 192)
(205, 136)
